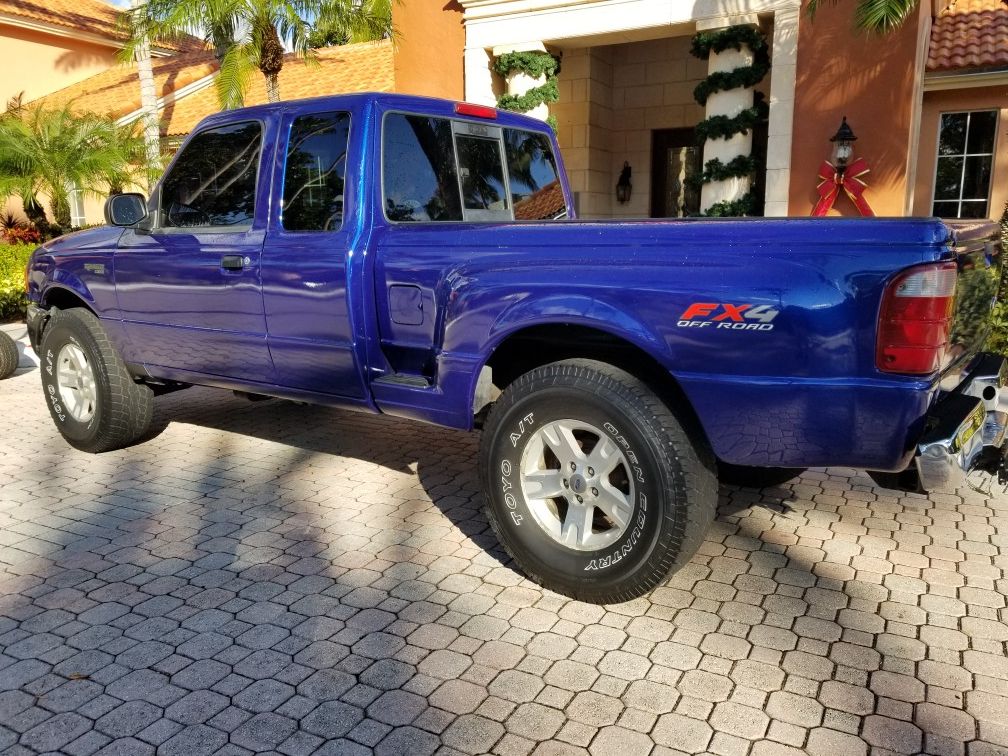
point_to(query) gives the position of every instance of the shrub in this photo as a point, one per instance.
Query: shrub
(13, 260)
(23, 235)
(998, 339)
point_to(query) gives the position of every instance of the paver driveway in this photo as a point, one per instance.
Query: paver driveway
(274, 576)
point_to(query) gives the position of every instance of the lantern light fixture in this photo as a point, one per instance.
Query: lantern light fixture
(843, 145)
(624, 187)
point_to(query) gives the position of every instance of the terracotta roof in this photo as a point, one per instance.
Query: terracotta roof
(116, 92)
(544, 204)
(89, 16)
(970, 34)
(364, 67)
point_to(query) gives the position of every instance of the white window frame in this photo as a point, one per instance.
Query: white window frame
(75, 198)
(965, 154)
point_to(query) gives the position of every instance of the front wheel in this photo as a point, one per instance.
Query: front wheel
(92, 398)
(593, 486)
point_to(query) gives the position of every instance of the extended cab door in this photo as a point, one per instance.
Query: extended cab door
(307, 255)
(189, 288)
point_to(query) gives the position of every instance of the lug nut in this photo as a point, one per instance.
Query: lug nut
(580, 500)
(566, 484)
(591, 472)
(594, 492)
(573, 466)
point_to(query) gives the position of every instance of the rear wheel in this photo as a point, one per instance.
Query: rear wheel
(92, 399)
(9, 356)
(756, 477)
(593, 486)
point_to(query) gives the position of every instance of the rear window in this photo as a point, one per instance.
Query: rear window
(436, 169)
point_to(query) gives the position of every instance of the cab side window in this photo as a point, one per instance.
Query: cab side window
(213, 182)
(315, 172)
(419, 176)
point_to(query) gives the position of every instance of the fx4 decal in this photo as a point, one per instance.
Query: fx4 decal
(745, 317)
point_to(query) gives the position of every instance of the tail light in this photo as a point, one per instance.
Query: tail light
(916, 320)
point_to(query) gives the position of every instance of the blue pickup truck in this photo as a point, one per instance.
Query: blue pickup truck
(422, 259)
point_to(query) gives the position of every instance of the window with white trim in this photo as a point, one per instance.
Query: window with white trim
(75, 197)
(965, 160)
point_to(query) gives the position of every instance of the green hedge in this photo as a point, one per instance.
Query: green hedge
(998, 339)
(13, 259)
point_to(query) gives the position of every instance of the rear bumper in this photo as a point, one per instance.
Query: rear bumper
(966, 440)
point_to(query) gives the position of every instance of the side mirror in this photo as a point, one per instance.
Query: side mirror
(125, 209)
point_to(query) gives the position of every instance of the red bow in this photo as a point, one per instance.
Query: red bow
(850, 180)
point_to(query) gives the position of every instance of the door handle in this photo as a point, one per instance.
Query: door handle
(232, 262)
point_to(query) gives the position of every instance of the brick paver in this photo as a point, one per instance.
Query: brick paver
(280, 577)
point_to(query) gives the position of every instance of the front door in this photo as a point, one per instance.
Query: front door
(189, 289)
(675, 158)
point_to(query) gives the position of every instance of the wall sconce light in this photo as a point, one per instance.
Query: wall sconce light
(623, 187)
(843, 146)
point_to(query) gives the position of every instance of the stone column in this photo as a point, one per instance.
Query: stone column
(478, 77)
(727, 103)
(781, 127)
(520, 83)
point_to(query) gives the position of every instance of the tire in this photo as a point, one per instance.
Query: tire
(756, 477)
(650, 509)
(92, 399)
(9, 356)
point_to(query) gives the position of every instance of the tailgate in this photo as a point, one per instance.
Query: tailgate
(981, 283)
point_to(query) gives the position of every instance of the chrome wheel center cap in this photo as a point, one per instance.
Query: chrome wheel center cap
(578, 484)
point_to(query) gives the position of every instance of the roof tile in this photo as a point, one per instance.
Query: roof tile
(364, 67)
(87, 16)
(970, 34)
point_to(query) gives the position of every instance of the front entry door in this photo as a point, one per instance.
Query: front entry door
(189, 289)
(675, 157)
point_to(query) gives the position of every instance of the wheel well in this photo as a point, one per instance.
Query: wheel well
(540, 345)
(63, 299)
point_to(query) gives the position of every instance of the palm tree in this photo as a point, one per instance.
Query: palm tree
(258, 30)
(148, 90)
(879, 16)
(51, 152)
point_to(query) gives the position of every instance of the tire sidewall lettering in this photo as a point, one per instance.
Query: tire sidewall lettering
(514, 436)
(55, 338)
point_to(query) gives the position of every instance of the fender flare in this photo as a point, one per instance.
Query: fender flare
(564, 309)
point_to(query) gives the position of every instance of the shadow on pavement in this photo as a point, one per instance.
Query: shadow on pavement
(328, 580)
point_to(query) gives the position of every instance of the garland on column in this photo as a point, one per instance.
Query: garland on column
(533, 63)
(725, 127)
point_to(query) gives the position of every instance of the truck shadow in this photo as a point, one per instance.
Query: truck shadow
(279, 564)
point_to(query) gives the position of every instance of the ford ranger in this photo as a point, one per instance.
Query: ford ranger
(421, 258)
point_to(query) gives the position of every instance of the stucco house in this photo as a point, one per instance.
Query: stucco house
(928, 103)
(49, 44)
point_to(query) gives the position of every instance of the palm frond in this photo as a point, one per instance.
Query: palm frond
(235, 72)
(883, 16)
(46, 151)
(875, 16)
